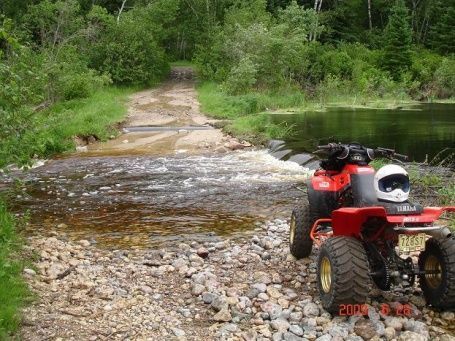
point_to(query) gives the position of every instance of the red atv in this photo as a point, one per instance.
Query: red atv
(366, 230)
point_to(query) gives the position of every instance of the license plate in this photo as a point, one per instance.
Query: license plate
(411, 242)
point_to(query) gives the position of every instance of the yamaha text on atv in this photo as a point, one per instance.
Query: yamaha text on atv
(366, 230)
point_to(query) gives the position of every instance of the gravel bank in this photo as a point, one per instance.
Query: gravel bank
(250, 289)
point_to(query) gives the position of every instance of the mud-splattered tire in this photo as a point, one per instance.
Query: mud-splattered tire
(342, 273)
(300, 241)
(439, 288)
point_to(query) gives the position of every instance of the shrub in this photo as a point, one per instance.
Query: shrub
(128, 51)
(241, 77)
(444, 78)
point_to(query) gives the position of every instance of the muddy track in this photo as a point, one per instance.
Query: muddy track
(172, 105)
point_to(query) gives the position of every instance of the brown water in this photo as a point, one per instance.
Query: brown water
(143, 201)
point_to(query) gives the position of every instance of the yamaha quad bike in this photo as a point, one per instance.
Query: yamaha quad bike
(362, 238)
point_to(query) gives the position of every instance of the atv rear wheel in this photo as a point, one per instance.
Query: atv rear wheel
(300, 241)
(438, 285)
(343, 273)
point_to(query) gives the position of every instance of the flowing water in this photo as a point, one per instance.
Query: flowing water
(146, 201)
(419, 131)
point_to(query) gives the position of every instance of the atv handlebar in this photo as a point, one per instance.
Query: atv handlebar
(385, 152)
(390, 153)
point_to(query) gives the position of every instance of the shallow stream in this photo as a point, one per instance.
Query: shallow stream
(148, 201)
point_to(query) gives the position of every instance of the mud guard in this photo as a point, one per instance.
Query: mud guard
(322, 203)
(348, 221)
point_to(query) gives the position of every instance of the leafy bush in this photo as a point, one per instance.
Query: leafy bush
(128, 51)
(444, 78)
(241, 77)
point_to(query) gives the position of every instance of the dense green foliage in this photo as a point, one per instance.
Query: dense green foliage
(293, 46)
(312, 51)
(397, 40)
(13, 289)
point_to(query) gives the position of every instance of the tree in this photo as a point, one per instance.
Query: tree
(397, 41)
(443, 32)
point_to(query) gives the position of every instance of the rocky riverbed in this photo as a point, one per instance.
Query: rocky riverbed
(235, 289)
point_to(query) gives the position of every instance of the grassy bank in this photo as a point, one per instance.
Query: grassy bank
(48, 132)
(246, 112)
(53, 130)
(13, 289)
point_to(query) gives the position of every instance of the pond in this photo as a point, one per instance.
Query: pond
(417, 131)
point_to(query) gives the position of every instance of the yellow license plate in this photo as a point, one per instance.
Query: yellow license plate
(411, 242)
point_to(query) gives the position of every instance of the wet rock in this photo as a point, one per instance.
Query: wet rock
(292, 337)
(277, 336)
(339, 330)
(252, 293)
(280, 325)
(82, 149)
(29, 272)
(146, 289)
(365, 328)
(296, 316)
(411, 336)
(55, 270)
(273, 292)
(263, 297)
(296, 329)
(262, 277)
(178, 332)
(261, 287)
(202, 252)
(417, 327)
(394, 322)
(389, 333)
(274, 310)
(219, 303)
(223, 315)
(197, 289)
(448, 316)
(311, 310)
(250, 335)
(84, 243)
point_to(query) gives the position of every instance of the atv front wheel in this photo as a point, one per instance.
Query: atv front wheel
(300, 241)
(343, 273)
(438, 284)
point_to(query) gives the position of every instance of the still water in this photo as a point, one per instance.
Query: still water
(416, 131)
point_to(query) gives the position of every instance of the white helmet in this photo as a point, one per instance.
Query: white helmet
(391, 183)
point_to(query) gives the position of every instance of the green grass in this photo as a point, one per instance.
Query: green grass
(216, 103)
(258, 128)
(53, 131)
(96, 115)
(246, 111)
(14, 292)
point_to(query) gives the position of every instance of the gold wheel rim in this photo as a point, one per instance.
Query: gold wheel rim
(432, 264)
(326, 274)
(292, 230)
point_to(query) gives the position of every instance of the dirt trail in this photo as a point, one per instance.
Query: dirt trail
(174, 104)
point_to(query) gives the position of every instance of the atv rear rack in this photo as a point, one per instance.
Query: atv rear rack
(318, 235)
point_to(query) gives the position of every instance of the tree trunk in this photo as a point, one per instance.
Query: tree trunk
(121, 10)
(369, 15)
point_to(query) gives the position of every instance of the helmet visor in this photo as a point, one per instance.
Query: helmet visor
(393, 182)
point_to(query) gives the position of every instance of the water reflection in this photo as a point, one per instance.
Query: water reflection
(419, 131)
